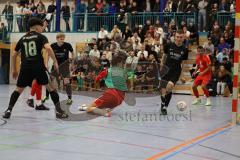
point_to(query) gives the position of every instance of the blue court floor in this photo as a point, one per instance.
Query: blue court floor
(132, 133)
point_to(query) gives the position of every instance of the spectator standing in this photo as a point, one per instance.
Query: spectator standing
(19, 14)
(156, 7)
(79, 15)
(112, 8)
(41, 10)
(26, 15)
(66, 15)
(202, 6)
(50, 13)
(8, 12)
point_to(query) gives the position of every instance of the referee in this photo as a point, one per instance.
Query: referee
(174, 54)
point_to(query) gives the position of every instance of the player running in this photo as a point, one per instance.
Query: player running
(174, 54)
(64, 55)
(203, 75)
(32, 66)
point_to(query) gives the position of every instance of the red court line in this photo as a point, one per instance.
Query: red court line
(188, 142)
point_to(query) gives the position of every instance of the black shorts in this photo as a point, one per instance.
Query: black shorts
(27, 75)
(172, 76)
(63, 71)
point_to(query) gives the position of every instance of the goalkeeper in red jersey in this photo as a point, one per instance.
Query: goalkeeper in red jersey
(203, 75)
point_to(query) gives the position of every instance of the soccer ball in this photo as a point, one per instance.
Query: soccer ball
(181, 105)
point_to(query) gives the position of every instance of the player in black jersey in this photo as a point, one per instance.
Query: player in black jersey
(64, 55)
(174, 54)
(32, 65)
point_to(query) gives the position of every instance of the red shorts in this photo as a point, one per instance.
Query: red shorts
(111, 98)
(202, 80)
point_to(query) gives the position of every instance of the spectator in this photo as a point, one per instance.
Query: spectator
(149, 41)
(99, 6)
(156, 7)
(3, 32)
(94, 52)
(41, 10)
(222, 45)
(151, 78)
(127, 33)
(180, 6)
(26, 15)
(222, 54)
(105, 6)
(229, 40)
(102, 33)
(50, 13)
(66, 15)
(91, 6)
(170, 6)
(108, 54)
(202, 5)
(139, 78)
(133, 9)
(115, 32)
(209, 46)
(19, 14)
(135, 37)
(105, 63)
(193, 32)
(224, 7)
(112, 8)
(186, 36)
(189, 7)
(8, 12)
(33, 8)
(147, 6)
(232, 5)
(132, 60)
(137, 45)
(142, 51)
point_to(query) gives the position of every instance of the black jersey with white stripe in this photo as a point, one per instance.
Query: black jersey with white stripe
(175, 56)
(30, 47)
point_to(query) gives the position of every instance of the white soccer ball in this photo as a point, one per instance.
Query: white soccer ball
(181, 105)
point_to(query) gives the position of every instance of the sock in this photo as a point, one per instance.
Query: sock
(69, 91)
(38, 102)
(168, 98)
(55, 98)
(38, 92)
(195, 92)
(30, 97)
(47, 93)
(33, 90)
(13, 100)
(206, 92)
(163, 98)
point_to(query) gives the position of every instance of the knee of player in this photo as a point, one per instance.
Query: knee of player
(194, 87)
(19, 90)
(204, 87)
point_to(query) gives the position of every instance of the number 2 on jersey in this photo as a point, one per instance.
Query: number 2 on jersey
(30, 48)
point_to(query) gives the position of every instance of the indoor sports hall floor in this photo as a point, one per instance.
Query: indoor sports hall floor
(199, 133)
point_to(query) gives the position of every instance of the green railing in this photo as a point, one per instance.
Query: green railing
(90, 22)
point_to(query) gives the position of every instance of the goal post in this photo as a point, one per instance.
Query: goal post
(235, 106)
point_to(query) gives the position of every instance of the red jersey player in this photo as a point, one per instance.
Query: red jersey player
(203, 75)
